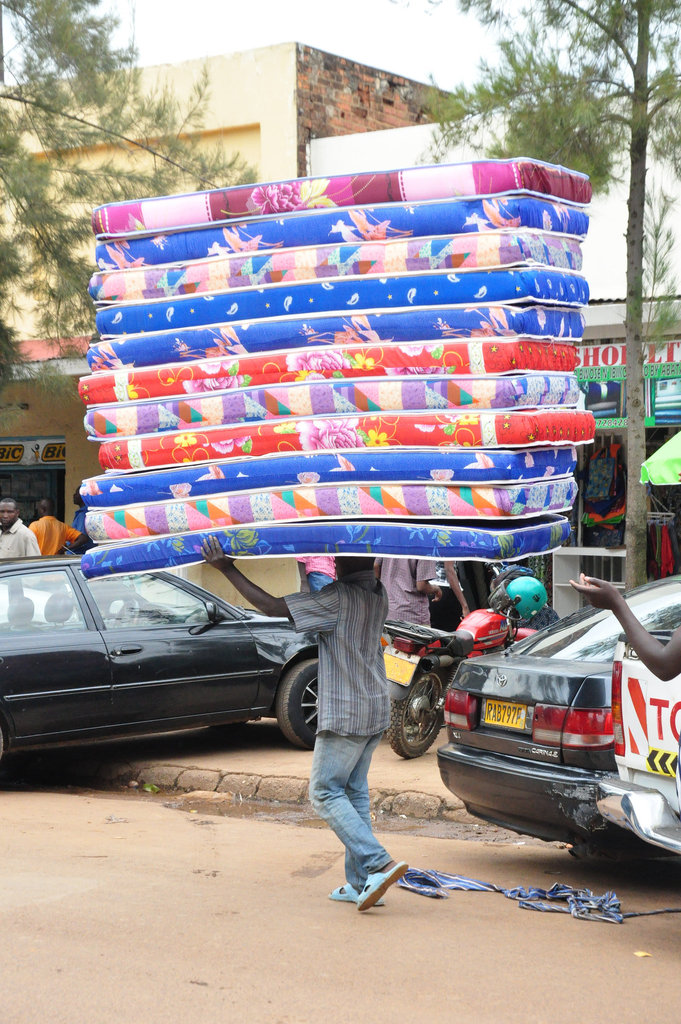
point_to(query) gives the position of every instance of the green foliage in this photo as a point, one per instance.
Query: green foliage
(571, 82)
(659, 281)
(77, 129)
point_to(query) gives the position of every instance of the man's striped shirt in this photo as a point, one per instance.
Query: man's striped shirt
(349, 616)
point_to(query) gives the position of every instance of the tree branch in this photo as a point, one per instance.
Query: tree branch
(604, 28)
(105, 131)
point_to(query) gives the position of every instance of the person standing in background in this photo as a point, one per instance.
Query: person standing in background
(78, 523)
(407, 581)
(447, 613)
(316, 572)
(16, 540)
(53, 535)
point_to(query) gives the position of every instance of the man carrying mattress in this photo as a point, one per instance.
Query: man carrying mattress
(354, 707)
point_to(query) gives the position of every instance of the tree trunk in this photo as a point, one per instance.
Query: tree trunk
(636, 525)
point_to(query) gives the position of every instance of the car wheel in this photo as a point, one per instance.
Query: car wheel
(296, 704)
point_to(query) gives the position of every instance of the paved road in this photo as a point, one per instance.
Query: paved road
(125, 911)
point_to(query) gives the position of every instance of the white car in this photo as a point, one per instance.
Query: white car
(646, 711)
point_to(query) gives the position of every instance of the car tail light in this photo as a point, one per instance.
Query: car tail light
(461, 710)
(547, 724)
(617, 721)
(554, 726)
(407, 646)
(588, 727)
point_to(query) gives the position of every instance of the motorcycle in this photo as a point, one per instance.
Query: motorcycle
(421, 662)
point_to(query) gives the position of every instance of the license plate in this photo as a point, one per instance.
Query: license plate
(399, 669)
(504, 714)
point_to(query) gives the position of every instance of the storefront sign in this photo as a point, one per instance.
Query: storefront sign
(33, 451)
(612, 355)
(602, 373)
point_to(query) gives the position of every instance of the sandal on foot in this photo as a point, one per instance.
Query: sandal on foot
(348, 894)
(377, 884)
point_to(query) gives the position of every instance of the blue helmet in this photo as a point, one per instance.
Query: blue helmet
(527, 594)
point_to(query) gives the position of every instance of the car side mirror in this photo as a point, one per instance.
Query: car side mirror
(213, 612)
(214, 616)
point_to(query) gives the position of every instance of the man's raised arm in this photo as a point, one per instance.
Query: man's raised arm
(255, 595)
(664, 661)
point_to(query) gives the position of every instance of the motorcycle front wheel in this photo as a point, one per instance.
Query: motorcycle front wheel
(415, 722)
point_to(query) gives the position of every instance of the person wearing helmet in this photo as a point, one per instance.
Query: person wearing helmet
(528, 596)
(518, 588)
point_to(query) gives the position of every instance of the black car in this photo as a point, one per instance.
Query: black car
(81, 659)
(530, 730)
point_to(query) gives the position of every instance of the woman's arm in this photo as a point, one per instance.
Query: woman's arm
(255, 595)
(664, 661)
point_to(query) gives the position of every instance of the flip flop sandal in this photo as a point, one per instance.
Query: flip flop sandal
(348, 894)
(377, 884)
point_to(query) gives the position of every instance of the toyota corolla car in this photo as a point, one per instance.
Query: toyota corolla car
(530, 731)
(132, 654)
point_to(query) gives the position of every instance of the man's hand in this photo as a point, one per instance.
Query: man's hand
(214, 555)
(663, 661)
(598, 593)
(431, 591)
(266, 603)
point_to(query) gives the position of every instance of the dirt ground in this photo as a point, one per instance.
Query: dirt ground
(123, 909)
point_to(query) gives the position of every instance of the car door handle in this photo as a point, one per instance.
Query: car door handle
(131, 649)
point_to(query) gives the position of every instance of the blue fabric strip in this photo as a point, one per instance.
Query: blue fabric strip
(559, 899)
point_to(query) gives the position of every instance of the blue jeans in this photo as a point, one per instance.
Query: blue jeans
(339, 792)
(317, 580)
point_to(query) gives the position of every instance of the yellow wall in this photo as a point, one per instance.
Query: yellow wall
(252, 104)
(251, 110)
(60, 414)
(279, 576)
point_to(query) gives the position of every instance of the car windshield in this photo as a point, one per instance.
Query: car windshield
(591, 635)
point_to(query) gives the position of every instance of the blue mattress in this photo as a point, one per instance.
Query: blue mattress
(434, 324)
(413, 540)
(354, 224)
(379, 465)
(528, 286)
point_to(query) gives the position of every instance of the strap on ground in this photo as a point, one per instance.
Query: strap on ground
(559, 899)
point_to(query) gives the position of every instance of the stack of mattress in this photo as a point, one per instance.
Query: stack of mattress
(378, 363)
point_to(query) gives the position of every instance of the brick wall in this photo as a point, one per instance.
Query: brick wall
(336, 96)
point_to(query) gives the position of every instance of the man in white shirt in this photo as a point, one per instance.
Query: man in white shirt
(16, 540)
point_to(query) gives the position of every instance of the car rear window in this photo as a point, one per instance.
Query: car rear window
(35, 602)
(591, 635)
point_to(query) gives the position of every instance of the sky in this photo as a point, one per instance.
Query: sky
(407, 37)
